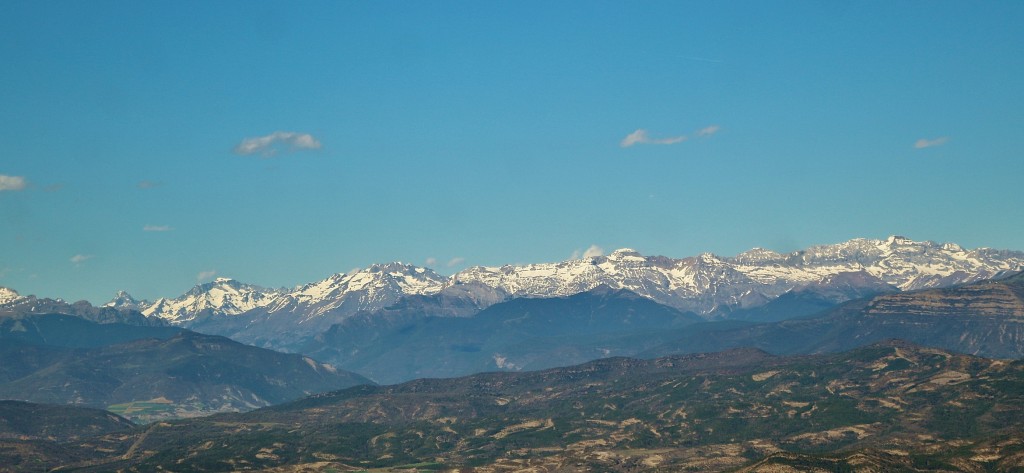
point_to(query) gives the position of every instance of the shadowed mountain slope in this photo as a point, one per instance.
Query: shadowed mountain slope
(401, 344)
(185, 374)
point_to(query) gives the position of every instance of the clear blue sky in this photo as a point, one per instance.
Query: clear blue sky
(491, 133)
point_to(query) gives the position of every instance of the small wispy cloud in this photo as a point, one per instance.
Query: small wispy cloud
(270, 144)
(642, 137)
(79, 259)
(431, 261)
(157, 228)
(206, 275)
(708, 130)
(926, 143)
(592, 252)
(456, 261)
(148, 184)
(12, 183)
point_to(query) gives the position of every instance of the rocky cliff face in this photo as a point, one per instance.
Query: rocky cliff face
(989, 299)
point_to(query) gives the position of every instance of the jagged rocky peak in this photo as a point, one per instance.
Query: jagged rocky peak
(8, 295)
(952, 247)
(709, 259)
(759, 256)
(394, 266)
(622, 258)
(220, 282)
(899, 240)
(123, 300)
(399, 269)
(228, 287)
(222, 296)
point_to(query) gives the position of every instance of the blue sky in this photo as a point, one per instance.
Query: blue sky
(451, 134)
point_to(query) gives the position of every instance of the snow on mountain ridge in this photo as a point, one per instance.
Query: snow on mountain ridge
(8, 295)
(222, 296)
(374, 287)
(705, 283)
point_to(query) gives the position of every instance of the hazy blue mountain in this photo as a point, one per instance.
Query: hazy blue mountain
(150, 372)
(16, 306)
(816, 297)
(408, 341)
(77, 332)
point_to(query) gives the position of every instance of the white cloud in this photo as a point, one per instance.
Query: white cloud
(267, 145)
(456, 261)
(206, 275)
(431, 261)
(157, 228)
(708, 130)
(925, 143)
(12, 183)
(79, 259)
(591, 252)
(640, 136)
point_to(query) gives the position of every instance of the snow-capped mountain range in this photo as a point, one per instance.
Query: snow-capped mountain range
(706, 284)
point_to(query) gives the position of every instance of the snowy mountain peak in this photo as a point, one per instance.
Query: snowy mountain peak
(759, 255)
(123, 300)
(952, 247)
(222, 296)
(228, 285)
(707, 283)
(394, 268)
(625, 256)
(899, 240)
(8, 295)
(373, 287)
(709, 258)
